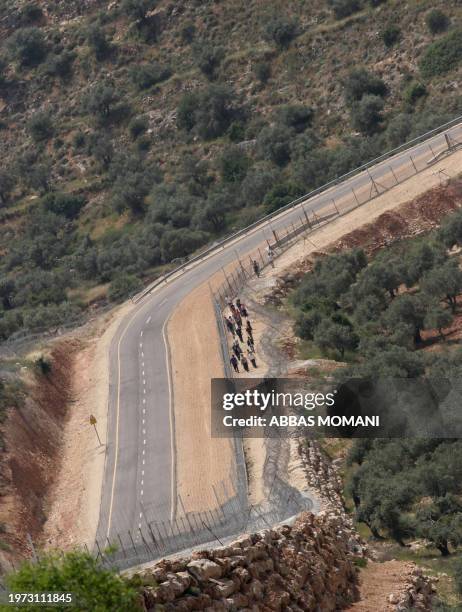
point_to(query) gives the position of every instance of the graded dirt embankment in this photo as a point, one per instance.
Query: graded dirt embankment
(74, 499)
(202, 462)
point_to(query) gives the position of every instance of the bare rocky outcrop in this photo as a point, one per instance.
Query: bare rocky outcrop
(305, 566)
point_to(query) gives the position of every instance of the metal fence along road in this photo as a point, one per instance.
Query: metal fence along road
(231, 517)
(451, 137)
(279, 240)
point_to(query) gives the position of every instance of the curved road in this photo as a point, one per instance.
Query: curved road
(139, 470)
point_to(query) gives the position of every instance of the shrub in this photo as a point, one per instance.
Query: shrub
(78, 140)
(437, 21)
(188, 32)
(123, 286)
(60, 64)
(414, 92)
(40, 126)
(280, 30)
(7, 184)
(273, 144)
(367, 114)
(296, 116)
(147, 75)
(209, 112)
(236, 131)
(361, 82)
(443, 55)
(98, 41)
(138, 125)
(209, 59)
(28, 46)
(280, 195)
(344, 8)
(138, 9)
(94, 586)
(390, 35)
(31, 13)
(66, 204)
(103, 101)
(262, 71)
(258, 181)
(234, 164)
(181, 242)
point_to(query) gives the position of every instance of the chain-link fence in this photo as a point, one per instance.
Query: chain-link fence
(189, 530)
(279, 240)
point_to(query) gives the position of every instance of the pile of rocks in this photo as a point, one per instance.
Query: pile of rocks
(306, 566)
(417, 593)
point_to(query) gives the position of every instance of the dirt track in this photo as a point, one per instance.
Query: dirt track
(202, 462)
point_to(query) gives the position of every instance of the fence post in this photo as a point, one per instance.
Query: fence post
(394, 175)
(412, 160)
(335, 205)
(356, 197)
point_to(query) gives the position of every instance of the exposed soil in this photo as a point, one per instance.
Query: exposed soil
(378, 583)
(33, 436)
(202, 462)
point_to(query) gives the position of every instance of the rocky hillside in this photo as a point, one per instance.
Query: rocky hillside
(136, 131)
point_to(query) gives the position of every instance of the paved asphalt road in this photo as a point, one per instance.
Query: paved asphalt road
(139, 471)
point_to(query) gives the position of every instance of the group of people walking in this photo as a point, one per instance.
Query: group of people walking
(235, 325)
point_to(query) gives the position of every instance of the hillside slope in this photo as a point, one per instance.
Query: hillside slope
(135, 132)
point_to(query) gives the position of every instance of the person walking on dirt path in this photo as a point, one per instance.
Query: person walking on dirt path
(250, 337)
(242, 309)
(237, 349)
(250, 342)
(234, 362)
(256, 268)
(238, 318)
(252, 358)
(239, 333)
(271, 257)
(248, 327)
(230, 326)
(245, 363)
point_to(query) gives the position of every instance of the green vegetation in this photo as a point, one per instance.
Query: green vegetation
(94, 587)
(409, 488)
(390, 35)
(443, 55)
(28, 46)
(437, 21)
(377, 310)
(148, 135)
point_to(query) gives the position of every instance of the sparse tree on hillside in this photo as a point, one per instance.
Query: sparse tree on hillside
(445, 282)
(361, 82)
(437, 21)
(345, 8)
(280, 30)
(102, 100)
(98, 41)
(7, 184)
(330, 335)
(41, 126)
(28, 46)
(234, 164)
(367, 114)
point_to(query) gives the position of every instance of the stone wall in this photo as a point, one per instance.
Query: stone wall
(305, 566)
